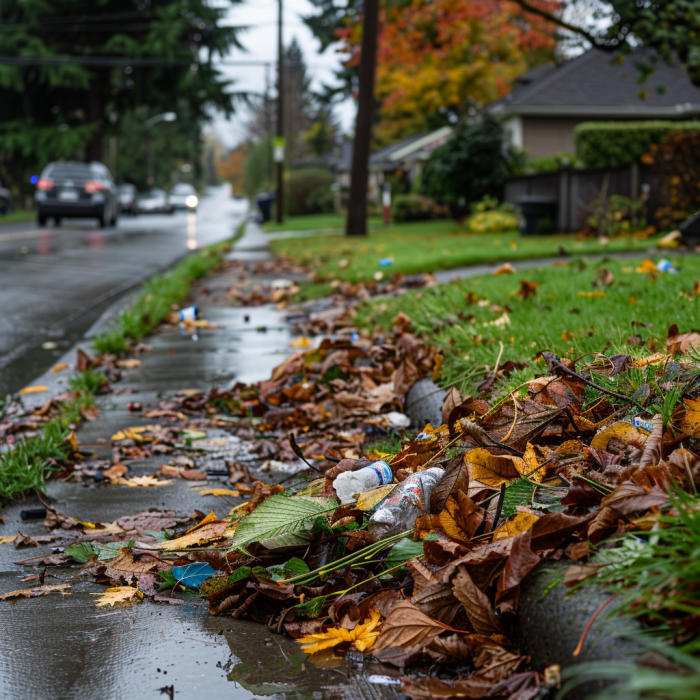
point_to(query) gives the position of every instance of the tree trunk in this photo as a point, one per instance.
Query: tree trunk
(359, 176)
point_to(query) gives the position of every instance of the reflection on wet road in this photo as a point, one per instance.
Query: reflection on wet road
(55, 282)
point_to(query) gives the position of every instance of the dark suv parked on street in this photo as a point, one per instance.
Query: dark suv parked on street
(76, 190)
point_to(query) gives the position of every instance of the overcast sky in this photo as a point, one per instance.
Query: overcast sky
(260, 41)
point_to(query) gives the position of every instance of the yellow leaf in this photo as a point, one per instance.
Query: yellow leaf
(591, 295)
(61, 588)
(118, 594)
(219, 492)
(369, 499)
(211, 518)
(33, 390)
(144, 481)
(651, 360)
(59, 367)
(129, 364)
(493, 470)
(691, 420)
(531, 464)
(516, 525)
(646, 266)
(362, 637)
(205, 535)
(505, 269)
(624, 432)
(301, 342)
(5, 540)
(133, 433)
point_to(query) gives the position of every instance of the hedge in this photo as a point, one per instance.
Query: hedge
(614, 144)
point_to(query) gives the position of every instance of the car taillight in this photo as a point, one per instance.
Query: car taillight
(94, 186)
(44, 184)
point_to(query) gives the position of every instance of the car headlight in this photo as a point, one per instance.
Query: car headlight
(191, 201)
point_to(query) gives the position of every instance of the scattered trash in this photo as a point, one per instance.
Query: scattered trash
(281, 284)
(666, 266)
(670, 240)
(49, 345)
(191, 313)
(398, 420)
(134, 406)
(385, 262)
(349, 483)
(399, 512)
(643, 423)
(33, 514)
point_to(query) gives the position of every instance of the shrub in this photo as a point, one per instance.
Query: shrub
(416, 207)
(488, 216)
(616, 215)
(470, 165)
(614, 144)
(306, 190)
(548, 164)
(675, 185)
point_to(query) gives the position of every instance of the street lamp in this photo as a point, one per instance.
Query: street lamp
(164, 117)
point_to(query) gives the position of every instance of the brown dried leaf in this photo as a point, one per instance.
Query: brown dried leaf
(475, 603)
(492, 470)
(455, 478)
(407, 628)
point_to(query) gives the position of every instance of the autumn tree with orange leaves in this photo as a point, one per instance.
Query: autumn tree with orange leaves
(438, 59)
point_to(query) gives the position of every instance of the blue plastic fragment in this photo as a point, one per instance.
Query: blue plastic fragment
(385, 262)
(193, 575)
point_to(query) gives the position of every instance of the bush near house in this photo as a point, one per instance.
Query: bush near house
(488, 216)
(416, 207)
(467, 167)
(309, 192)
(675, 178)
(615, 144)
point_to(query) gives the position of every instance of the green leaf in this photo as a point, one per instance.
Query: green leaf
(169, 581)
(519, 493)
(311, 608)
(109, 550)
(238, 575)
(402, 551)
(80, 552)
(289, 569)
(159, 535)
(280, 521)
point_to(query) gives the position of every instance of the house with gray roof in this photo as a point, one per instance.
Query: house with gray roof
(547, 102)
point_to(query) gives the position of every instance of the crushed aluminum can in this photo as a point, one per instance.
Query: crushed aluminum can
(643, 424)
(377, 679)
(191, 313)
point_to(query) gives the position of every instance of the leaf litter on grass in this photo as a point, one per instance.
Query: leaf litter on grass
(591, 451)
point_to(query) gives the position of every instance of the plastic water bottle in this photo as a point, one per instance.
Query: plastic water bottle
(347, 484)
(399, 512)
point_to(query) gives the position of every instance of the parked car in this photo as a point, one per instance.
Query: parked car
(127, 198)
(76, 190)
(183, 196)
(155, 201)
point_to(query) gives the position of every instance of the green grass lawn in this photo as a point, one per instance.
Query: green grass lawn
(427, 246)
(17, 216)
(314, 222)
(567, 315)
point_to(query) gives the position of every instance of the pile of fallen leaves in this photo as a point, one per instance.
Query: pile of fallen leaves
(560, 467)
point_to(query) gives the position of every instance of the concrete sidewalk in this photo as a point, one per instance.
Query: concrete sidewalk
(62, 646)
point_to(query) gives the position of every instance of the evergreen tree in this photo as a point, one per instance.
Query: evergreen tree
(73, 70)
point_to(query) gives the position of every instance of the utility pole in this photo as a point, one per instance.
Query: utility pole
(359, 175)
(279, 139)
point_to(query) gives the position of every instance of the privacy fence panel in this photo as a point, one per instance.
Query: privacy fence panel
(574, 190)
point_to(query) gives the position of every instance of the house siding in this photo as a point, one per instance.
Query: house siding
(545, 136)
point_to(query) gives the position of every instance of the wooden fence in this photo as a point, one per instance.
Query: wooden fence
(574, 190)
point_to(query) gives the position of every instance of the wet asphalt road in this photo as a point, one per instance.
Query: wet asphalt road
(55, 282)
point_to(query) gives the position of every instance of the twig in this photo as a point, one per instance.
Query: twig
(499, 508)
(581, 641)
(576, 375)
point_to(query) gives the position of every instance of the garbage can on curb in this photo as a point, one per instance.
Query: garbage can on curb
(263, 201)
(539, 215)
